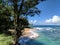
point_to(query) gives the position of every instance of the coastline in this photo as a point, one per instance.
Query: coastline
(29, 32)
(27, 35)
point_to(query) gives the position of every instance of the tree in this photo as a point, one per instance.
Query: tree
(20, 8)
(4, 17)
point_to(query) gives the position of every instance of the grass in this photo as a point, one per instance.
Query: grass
(5, 40)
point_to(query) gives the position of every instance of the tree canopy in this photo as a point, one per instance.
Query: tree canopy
(18, 9)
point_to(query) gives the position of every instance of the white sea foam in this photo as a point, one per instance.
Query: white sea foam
(49, 28)
(37, 28)
(42, 29)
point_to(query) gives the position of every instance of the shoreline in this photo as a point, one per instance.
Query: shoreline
(29, 32)
(27, 35)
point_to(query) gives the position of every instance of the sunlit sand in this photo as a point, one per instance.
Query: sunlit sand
(30, 33)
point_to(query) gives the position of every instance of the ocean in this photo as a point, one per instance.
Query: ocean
(48, 35)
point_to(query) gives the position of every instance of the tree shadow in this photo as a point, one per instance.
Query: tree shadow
(6, 32)
(30, 42)
(35, 42)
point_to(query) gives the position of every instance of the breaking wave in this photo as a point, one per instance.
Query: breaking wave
(45, 29)
(49, 28)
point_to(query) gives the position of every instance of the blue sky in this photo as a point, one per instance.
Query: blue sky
(50, 13)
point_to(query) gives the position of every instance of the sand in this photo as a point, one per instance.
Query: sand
(30, 33)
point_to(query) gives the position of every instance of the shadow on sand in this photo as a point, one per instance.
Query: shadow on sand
(28, 41)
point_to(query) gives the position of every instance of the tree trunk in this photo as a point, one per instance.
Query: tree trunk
(18, 31)
(16, 27)
(16, 20)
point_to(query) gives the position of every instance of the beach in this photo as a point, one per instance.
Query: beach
(27, 35)
(47, 35)
(29, 32)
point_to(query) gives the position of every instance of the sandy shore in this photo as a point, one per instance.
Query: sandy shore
(28, 32)
(27, 35)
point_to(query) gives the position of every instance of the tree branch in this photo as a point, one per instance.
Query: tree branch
(20, 8)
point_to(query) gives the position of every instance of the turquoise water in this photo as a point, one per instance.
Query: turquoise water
(49, 35)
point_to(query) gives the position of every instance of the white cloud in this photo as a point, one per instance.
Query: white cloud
(48, 21)
(33, 21)
(54, 20)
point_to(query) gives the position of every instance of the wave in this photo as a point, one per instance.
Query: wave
(37, 28)
(49, 28)
(42, 29)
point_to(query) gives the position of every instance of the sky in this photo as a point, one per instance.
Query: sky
(50, 13)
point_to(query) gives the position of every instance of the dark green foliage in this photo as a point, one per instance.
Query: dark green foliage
(4, 17)
(16, 9)
(23, 22)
